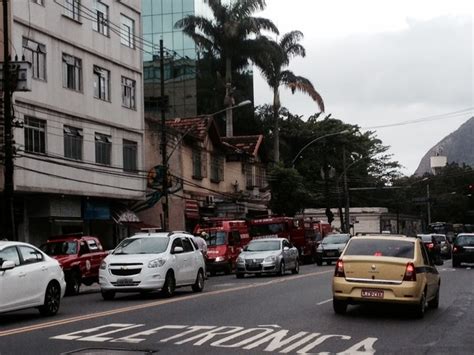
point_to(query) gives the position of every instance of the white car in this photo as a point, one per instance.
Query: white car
(153, 261)
(29, 278)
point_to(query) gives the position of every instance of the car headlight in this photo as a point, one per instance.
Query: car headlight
(240, 260)
(156, 263)
(220, 258)
(270, 259)
(103, 265)
(320, 249)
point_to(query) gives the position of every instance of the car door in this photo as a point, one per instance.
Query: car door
(179, 262)
(13, 289)
(429, 268)
(35, 267)
(191, 260)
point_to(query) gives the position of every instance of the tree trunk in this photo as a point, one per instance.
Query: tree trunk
(228, 101)
(276, 129)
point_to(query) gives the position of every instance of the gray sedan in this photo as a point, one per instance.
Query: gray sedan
(269, 255)
(331, 248)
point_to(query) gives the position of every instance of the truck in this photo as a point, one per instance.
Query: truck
(225, 240)
(80, 258)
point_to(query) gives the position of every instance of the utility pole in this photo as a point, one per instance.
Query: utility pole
(8, 210)
(428, 204)
(164, 158)
(346, 193)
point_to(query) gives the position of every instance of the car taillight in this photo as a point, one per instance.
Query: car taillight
(410, 273)
(430, 246)
(455, 249)
(339, 272)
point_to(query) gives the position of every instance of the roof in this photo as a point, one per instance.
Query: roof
(247, 144)
(193, 126)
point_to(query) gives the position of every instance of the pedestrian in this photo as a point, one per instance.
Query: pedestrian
(202, 246)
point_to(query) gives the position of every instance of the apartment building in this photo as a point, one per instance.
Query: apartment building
(79, 161)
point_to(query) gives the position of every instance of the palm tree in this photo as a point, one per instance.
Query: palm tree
(233, 35)
(272, 63)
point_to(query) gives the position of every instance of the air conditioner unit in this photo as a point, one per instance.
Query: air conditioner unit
(210, 200)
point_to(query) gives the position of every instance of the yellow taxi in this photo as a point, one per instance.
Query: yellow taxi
(389, 269)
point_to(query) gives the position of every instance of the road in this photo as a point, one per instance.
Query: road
(255, 315)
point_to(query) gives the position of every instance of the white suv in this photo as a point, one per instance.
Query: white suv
(152, 261)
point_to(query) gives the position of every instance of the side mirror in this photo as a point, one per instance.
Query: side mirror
(286, 249)
(177, 250)
(245, 248)
(7, 265)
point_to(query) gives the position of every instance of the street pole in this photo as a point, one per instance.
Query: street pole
(229, 126)
(163, 139)
(346, 193)
(8, 211)
(428, 204)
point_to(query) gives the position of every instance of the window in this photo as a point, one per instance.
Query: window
(103, 149)
(30, 255)
(187, 245)
(127, 32)
(217, 168)
(9, 254)
(35, 53)
(72, 72)
(199, 164)
(101, 83)
(260, 177)
(249, 176)
(128, 92)
(72, 9)
(73, 143)
(381, 247)
(129, 155)
(101, 21)
(35, 135)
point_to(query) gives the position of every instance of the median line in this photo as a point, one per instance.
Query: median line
(150, 305)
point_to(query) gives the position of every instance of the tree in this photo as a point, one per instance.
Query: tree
(272, 63)
(233, 35)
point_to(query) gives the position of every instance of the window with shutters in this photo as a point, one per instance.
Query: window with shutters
(197, 164)
(35, 53)
(101, 21)
(103, 149)
(217, 168)
(260, 177)
(73, 140)
(72, 9)
(35, 135)
(127, 32)
(101, 83)
(128, 93)
(249, 176)
(130, 150)
(72, 72)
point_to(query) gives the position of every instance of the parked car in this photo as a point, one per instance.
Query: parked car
(268, 255)
(463, 249)
(79, 256)
(432, 245)
(445, 246)
(152, 261)
(331, 248)
(29, 278)
(386, 270)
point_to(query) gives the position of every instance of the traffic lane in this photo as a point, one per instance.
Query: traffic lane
(91, 302)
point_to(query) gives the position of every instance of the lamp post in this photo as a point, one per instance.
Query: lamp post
(314, 141)
(428, 202)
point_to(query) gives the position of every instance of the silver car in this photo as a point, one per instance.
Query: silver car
(331, 248)
(269, 255)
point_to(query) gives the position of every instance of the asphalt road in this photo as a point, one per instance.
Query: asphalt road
(255, 315)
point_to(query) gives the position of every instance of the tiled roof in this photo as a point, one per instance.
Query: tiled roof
(248, 144)
(195, 126)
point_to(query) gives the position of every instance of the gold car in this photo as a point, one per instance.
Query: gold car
(385, 269)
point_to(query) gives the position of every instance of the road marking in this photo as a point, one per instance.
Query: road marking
(323, 302)
(151, 304)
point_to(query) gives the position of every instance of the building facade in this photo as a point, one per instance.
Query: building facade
(80, 136)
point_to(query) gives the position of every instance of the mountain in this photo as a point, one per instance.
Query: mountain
(457, 146)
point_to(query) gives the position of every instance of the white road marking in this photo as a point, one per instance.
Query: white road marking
(323, 302)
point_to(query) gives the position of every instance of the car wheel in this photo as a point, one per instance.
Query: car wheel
(329, 262)
(340, 307)
(169, 286)
(239, 275)
(199, 284)
(319, 262)
(421, 307)
(281, 270)
(52, 299)
(434, 303)
(456, 262)
(108, 295)
(73, 284)
(296, 270)
(228, 268)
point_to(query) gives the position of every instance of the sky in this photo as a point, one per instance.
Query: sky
(383, 62)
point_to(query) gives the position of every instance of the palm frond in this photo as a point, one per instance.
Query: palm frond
(301, 84)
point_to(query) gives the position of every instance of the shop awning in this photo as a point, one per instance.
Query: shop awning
(191, 209)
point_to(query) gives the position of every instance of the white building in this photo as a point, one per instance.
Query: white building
(79, 160)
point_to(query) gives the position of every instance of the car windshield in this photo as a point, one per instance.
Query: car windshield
(145, 245)
(381, 247)
(426, 238)
(465, 240)
(440, 238)
(264, 245)
(336, 239)
(59, 248)
(215, 238)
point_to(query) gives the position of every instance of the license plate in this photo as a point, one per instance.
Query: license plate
(331, 253)
(124, 281)
(372, 293)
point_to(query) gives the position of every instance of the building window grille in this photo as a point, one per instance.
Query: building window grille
(217, 168)
(35, 135)
(35, 53)
(128, 92)
(103, 149)
(130, 150)
(249, 176)
(72, 72)
(73, 140)
(101, 21)
(127, 32)
(101, 83)
(72, 9)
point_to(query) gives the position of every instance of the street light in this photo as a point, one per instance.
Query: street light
(314, 141)
(240, 104)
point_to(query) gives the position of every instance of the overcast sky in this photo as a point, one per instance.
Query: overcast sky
(378, 62)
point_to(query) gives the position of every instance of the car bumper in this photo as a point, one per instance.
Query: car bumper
(332, 256)
(464, 257)
(405, 293)
(134, 283)
(260, 268)
(216, 266)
